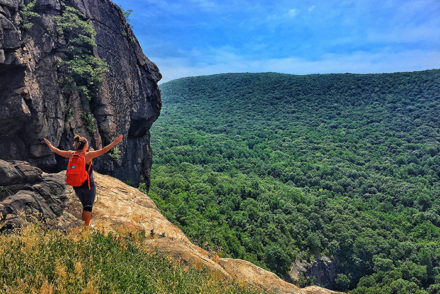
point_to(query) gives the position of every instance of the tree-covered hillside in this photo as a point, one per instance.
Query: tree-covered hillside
(272, 168)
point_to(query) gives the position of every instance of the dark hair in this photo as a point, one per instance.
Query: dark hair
(80, 142)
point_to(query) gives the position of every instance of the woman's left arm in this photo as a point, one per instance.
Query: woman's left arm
(94, 154)
(63, 153)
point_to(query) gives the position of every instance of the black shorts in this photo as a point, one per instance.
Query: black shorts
(86, 196)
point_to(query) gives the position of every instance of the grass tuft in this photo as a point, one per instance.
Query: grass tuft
(37, 260)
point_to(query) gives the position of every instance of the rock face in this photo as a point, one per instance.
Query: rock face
(322, 271)
(25, 188)
(33, 106)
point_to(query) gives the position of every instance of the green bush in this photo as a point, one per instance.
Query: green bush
(83, 71)
(115, 153)
(89, 120)
(28, 15)
(342, 282)
(127, 14)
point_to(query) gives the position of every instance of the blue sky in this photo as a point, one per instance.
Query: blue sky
(200, 37)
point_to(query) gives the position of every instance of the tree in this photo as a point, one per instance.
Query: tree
(342, 282)
(277, 260)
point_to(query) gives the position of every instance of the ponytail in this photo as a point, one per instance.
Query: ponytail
(79, 142)
(81, 145)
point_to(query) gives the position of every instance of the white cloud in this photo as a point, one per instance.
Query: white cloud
(205, 4)
(311, 8)
(358, 62)
(292, 12)
(279, 16)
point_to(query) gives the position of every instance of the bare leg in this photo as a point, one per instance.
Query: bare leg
(87, 216)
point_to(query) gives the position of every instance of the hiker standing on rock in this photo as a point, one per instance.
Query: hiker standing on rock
(79, 172)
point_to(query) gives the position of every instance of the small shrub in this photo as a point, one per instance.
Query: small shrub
(89, 119)
(129, 36)
(115, 153)
(127, 14)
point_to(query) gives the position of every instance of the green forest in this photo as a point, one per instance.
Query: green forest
(274, 168)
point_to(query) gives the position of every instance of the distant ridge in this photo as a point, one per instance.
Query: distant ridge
(296, 75)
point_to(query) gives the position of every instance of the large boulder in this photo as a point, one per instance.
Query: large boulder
(26, 194)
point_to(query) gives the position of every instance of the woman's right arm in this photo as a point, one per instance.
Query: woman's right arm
(63, 153)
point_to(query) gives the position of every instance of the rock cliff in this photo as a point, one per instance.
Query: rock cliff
(34, 104)
(120, 207)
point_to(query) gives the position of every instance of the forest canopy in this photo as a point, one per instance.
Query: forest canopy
(274, 168)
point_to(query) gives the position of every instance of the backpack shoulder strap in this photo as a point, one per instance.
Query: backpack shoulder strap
(88, 173)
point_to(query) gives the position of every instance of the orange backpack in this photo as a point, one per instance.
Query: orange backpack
(76, 172)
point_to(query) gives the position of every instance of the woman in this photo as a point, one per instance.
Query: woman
(85, 195)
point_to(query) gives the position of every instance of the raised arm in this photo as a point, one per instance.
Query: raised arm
(93, 154)
(63, 153)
